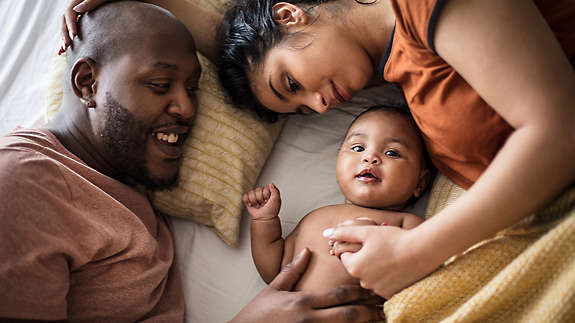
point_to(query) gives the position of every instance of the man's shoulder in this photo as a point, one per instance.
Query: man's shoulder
(24, 160)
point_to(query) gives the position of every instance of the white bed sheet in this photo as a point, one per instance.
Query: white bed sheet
(29, 39)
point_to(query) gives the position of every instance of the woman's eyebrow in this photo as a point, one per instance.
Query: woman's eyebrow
(279, 95)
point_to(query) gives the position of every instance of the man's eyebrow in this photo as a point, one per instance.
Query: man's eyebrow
(165, 65)
(279, 95)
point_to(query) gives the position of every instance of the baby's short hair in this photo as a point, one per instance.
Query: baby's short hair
(403, 111)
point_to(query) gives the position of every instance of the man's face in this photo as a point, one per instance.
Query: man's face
(145, 105)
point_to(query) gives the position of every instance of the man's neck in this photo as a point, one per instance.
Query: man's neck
(76, 137)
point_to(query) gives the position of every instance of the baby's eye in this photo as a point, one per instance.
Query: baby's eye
(357, 148)
(392, 154)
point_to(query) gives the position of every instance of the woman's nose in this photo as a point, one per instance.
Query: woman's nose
(318, 103)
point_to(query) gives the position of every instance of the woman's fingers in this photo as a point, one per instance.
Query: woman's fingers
(340, 247)
(87, 5)
(354, 234)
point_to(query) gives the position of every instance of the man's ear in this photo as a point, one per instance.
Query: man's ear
(83, 81)
(288, 15)
(424, 179)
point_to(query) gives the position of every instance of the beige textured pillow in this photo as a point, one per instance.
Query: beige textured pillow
(443, 193)
(223, 157)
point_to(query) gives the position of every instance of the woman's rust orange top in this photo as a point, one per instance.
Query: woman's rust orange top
(461, 131)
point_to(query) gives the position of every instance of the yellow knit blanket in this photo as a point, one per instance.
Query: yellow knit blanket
(524, 274)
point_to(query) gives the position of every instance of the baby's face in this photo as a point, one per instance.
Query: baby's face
(380, 162)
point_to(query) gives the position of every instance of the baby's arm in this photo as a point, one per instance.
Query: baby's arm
(409, 221)
(263, 204)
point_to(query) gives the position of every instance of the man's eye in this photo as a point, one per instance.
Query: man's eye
(292, 85)
(393, 154)
(159, 87)
(357, 148)
(192, 90)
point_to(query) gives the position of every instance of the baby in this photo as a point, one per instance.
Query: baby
(381, 168)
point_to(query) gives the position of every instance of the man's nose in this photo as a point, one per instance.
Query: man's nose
(183, 105)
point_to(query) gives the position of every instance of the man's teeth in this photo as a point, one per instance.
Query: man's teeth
(168, 137)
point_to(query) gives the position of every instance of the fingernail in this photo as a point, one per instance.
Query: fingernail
(384, 223)
(78, 7)
(332, 252)
(328, 232)
(362, 218)
(60, 51)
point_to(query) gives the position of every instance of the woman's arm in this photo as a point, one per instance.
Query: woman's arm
(201, 23)
(506, 51)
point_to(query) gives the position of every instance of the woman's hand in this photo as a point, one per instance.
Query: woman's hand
(387, 261)
(70, 18)
(277, 304)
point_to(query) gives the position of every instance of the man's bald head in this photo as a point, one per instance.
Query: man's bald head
(118, 28)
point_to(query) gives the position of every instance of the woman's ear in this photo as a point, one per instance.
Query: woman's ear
(83, 81)
(424, 179)
(288, 15)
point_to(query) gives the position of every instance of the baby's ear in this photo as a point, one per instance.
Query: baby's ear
(424, 179)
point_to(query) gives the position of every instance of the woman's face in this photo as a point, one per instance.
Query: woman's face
(313, 71)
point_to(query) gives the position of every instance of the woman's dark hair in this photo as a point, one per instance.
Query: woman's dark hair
(247, 33)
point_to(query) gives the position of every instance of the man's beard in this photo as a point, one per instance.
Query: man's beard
(125, 139)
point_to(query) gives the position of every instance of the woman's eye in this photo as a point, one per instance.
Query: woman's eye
(392, 153)
(292, 85)
(357, 149)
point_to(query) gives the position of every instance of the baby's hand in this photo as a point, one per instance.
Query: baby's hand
(263, 202)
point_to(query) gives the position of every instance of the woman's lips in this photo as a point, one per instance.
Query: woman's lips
(339, 94)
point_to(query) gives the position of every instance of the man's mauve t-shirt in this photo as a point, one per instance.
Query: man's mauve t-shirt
(77, 245)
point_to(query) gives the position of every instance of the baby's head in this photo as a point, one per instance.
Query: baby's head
(382, 162)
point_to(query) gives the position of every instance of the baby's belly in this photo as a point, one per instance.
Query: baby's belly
(324, 271)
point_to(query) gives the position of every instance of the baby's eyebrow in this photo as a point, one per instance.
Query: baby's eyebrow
(356, 134)
(389, 140)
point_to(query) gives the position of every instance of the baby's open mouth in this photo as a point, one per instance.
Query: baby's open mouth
(367, 176)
